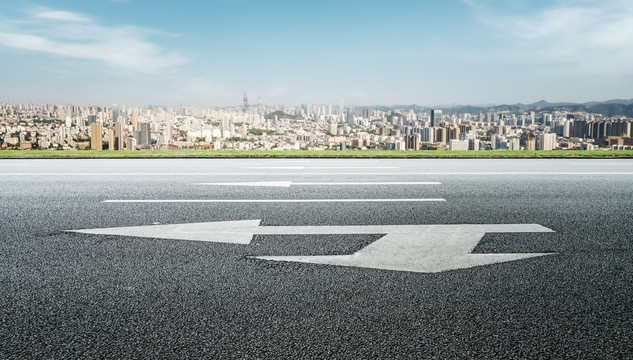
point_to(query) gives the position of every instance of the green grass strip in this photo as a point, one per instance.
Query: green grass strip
(26, 154)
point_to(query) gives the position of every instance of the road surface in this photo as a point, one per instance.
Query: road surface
(95, 295)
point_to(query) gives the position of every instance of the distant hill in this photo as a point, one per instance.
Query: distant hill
(404, 108)
(608, 108)
(614, 101)
(281, 115)
(480, 109)
(545, 104)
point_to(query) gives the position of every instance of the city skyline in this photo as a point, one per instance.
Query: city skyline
(309, 127)
(365, 53)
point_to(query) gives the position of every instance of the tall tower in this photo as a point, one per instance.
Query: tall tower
(245, 106)
(115, 113)
(341, 109)
(119, 133)
(111, 138)
(350, 115)
(143, 135)
(436, 117)
(96, 136)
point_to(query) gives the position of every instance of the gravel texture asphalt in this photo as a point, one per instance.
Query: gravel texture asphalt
(69, 295)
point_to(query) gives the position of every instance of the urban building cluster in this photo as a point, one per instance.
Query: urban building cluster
(316, 127)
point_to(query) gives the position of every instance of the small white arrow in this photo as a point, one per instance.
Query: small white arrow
(415, 248)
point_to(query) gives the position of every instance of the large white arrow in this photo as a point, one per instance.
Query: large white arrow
(416, 248)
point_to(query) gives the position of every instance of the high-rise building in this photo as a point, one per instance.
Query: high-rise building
(341, 110)
(455, 144)
(441, 135)
(412, 142)
(333, 129)
(111, 138)
(115, 113)
(514, 144)
(143, 135)
(436, 117)
(119, 139)
(350, 115)
(546, 142)
(134, 121)
(96, 136)
(498, 142)
(547, 119)
(427, 135)
(130, 143)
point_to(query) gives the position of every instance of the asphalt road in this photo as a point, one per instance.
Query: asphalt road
(73, 295)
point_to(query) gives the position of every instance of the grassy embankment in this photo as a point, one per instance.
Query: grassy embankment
(313, 154)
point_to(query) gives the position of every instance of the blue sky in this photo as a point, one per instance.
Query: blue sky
(363, 52)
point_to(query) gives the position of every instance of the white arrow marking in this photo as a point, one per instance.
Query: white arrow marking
(431, 248)
(292, 183)
(415, 248)
(233, 232)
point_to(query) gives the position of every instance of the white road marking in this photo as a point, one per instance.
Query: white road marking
(259, 183)
(321, 167)
(369, 183)
(325, 161)
(414, 248)
(427, 249)
(272, 200)
(292, 183)
(276, 167)
(234, 232)
(558, 173)
(592, 163)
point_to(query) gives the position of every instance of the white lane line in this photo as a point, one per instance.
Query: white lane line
(369, 183)
(276, 167)
(259, 183)
(325, 161)
(591, 163)
(272, 200)
(292, 183)
(321, 167)
(320, 173)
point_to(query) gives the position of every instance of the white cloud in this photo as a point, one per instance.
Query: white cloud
(78, 36)
(62, 16)
(591, 37)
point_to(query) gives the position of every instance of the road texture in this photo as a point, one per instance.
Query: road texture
(76, 295)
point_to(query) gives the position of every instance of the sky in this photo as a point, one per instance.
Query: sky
(362, 52)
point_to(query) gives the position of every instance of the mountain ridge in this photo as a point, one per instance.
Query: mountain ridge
(613, 107)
